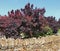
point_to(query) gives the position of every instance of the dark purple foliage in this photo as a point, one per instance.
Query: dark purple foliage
(27, 20)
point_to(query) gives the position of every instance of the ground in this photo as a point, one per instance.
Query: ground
(48, 43)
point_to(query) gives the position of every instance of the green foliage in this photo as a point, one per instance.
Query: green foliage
(58, 30)
(58, 33)
(47, 31)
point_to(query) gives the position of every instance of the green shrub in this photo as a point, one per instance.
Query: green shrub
(58, 33)
(47, 31)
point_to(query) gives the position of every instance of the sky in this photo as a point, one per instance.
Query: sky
(52, 6)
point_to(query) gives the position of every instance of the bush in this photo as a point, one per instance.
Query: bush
(58, 33)
(31, 22)
(46, 31)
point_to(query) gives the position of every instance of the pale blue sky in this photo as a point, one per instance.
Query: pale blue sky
(52, 6)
